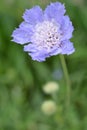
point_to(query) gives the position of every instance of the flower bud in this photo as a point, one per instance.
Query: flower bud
(48, 107)
(51, 87)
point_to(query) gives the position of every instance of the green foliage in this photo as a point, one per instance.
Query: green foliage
(21, 79)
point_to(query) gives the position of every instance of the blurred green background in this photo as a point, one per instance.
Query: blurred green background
(22, 79)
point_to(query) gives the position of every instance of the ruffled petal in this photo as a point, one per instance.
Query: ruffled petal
(67, 47)
(26, 26)
(20, 36)
(54, 11)
(34, 15)
(67, 28)
(36, 54)
(39, 56)
(23, 34)
(30, 48)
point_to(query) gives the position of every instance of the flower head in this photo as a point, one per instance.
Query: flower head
(49, 107)
(51, 87)
(46, 33)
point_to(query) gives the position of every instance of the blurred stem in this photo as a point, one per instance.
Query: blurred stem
(66, 75)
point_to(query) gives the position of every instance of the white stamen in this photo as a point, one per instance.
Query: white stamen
(46, 35)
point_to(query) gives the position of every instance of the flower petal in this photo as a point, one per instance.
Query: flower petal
(36, 54)
(26, 26)
(67, 47)
(67, 28)
(30, 48)
(39, 56)
(54, 11)
(22, 34)
(34, 15)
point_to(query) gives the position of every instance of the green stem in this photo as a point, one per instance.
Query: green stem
(66, 75)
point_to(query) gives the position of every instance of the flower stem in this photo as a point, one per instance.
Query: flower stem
(68, 84)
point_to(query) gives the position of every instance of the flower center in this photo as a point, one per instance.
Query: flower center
(46, 35)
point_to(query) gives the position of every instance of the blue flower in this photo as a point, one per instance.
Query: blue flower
(45, 33)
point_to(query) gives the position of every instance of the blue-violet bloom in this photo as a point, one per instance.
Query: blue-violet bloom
(45, 33)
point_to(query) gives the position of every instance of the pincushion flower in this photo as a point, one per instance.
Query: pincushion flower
(45, 33)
